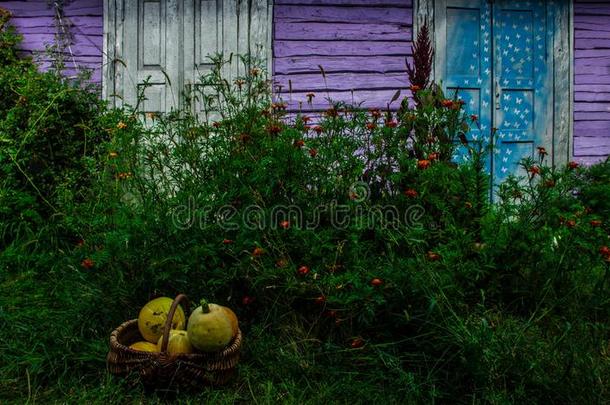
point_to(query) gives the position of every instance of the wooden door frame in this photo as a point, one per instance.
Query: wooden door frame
(112, 78)
(563, 73)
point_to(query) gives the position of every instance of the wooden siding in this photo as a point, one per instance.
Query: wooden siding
(591, 80)
(360, 44)
(36, 21)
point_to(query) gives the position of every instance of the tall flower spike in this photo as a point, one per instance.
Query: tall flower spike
(423, 56)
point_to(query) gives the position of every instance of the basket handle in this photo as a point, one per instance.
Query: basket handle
(181, 298)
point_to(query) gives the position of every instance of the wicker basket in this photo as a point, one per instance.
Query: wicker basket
(163, 370)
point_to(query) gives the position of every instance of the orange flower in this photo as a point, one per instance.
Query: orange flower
(227, 241)
(357, 343)
(414, 88)
(88, 263)
(375, 112)
(433, 256)
(376, 282)
(257, 252)
(121, 125)
(433, 156)
(285, 224)
(534, 170)
(447, 103)
(255, 72)
(331, 112)
(596, 223)
(371, 126)
(570, 223)
(411, 193)
(313, 152)
(573, 165)
(299, 143)
(303, 271)
(423, 164)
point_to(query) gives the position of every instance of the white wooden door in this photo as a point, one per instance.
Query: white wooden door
(160, 46)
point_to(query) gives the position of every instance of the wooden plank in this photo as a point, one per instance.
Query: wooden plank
(592, 146)
(341, 48)
(343, 81)
(376, 3)
(342, 31)
(367, 99)
(334, 14)
(562, 89)
(334, 64)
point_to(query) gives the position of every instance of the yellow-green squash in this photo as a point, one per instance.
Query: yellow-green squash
(151, 319)
(211, 327)
(178, 342)
(144, 346)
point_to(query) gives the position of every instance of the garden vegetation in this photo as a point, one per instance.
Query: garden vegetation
(365, 265)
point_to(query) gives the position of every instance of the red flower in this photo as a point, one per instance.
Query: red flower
(391, 124)
(604, 251)
(303, 270)
(376, 282)
(447, 103)
(433, 156)
(313, 152)
(423, 164)
(432, 256)
(375, 113)
(331, 112)
(573, 165)
(227, 241)
(299, 143)
(534, 170)
(87, 263)
(247, 300)
(570, 223)
(414, 88)
(318, 129)
(279, 106)
(257, 252)
(595, 223)
(411, 193)
(474, 117)
(320, 300)
(371, 126)
(274, 129)
(357, 343)
(542, 151)
(285, 224)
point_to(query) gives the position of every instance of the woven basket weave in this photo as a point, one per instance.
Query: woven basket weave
(163, 370)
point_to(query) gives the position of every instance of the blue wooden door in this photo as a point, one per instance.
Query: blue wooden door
(523, 82)
(464, 60)
(497, 56)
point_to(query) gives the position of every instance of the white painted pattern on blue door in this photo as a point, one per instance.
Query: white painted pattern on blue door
(496, 56)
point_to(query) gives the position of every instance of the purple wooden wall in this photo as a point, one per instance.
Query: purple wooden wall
(361, 45)
(35, 20)
(591, 80)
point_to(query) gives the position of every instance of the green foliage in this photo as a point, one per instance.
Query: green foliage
(361, 261)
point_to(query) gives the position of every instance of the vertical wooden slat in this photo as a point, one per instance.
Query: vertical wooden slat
(230, 22)
(563, 102)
